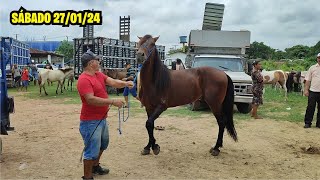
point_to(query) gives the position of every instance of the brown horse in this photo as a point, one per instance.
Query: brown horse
(162, 88)
(115, 74)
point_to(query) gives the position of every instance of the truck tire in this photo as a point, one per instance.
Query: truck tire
(244, 108)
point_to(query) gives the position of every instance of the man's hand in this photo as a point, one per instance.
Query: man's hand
(129, 84)
(124, 79)
(306, 93)
(118, 103)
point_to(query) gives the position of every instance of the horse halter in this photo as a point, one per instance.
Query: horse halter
(149, 50)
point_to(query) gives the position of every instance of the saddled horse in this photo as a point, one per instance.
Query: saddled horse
(162, 89)
(52, 76)
(274, 77)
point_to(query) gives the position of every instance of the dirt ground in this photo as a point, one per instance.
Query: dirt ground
(46, 144)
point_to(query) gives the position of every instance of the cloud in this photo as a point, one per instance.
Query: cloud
(280, 24)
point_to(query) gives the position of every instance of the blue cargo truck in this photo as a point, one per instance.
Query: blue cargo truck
(14, 52)
(6, 103)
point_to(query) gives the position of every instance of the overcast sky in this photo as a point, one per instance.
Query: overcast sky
(277, 23)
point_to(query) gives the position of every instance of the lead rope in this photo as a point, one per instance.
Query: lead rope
(123, 119)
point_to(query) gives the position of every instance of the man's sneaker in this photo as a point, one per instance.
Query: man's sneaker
(99, 170)
(307, 126)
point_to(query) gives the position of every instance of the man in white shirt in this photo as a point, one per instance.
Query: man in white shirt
(312, 90)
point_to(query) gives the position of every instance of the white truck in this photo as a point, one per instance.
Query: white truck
(224, 50)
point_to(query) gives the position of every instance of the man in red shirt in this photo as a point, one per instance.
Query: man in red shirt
(25, 78)
(95, 106)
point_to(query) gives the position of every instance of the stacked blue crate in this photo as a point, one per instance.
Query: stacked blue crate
(15, 52)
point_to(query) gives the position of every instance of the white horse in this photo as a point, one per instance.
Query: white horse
(53, 75)
(274, 77)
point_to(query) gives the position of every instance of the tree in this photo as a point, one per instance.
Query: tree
(182, 49)
(314, 50)
(66, 49)
(298, 52)
(278, 55)
(259, 50)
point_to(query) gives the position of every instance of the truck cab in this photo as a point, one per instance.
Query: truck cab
(224, 50)
(234, 66)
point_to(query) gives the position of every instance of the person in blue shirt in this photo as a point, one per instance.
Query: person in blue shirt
(130, 76)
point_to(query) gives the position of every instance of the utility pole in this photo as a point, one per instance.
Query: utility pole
(16, 36)
(44, 38)
(67, 38)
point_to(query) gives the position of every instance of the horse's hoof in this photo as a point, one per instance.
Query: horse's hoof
(210, 151)
(156, 149)
(215, 152)
(145, 152)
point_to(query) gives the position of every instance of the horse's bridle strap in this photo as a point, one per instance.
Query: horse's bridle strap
(150, 50)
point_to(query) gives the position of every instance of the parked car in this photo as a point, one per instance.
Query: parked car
(43, 66)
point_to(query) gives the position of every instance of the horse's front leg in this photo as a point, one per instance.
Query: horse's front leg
(152, 116)
(61, 86)
(57, 87)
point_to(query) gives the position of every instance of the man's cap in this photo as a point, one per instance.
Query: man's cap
(88, 56)
(318, 55)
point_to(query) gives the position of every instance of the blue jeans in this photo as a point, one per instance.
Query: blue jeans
(99, 140)
(132, 91)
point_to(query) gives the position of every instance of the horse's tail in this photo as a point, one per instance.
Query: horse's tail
(228, 110)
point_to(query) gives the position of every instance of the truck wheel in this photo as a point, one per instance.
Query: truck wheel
(244, 108)
(194, 106)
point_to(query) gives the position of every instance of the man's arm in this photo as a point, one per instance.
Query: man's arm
(97, 101)
(118, 83)
(306, 88)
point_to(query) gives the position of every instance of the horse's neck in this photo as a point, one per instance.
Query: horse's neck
(146, 72)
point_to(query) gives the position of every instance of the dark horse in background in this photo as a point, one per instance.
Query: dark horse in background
(162, 88)
(116, 74)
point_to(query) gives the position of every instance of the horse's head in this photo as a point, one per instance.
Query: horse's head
(146, 46)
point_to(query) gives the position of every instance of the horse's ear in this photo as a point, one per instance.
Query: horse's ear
(139, 37)
(156, 38)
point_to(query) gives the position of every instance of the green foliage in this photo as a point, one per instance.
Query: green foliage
(66, 49)
(298, 51)
(262, 51)
(182, 49)
(259, 50)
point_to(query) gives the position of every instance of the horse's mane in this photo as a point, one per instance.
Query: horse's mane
(66, 70)
(161, 74)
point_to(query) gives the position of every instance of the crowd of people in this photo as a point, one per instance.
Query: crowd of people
(22, 76)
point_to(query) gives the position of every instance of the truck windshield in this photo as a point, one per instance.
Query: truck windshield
(225, 64)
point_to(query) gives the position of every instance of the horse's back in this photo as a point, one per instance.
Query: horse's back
(190, 84)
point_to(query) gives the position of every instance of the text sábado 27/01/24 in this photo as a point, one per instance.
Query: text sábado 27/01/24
(64, 18)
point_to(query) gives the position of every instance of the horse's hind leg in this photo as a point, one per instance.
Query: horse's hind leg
(44, 88)
(215, 150)
(216, 109)
(61, 85)
(152, 116)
